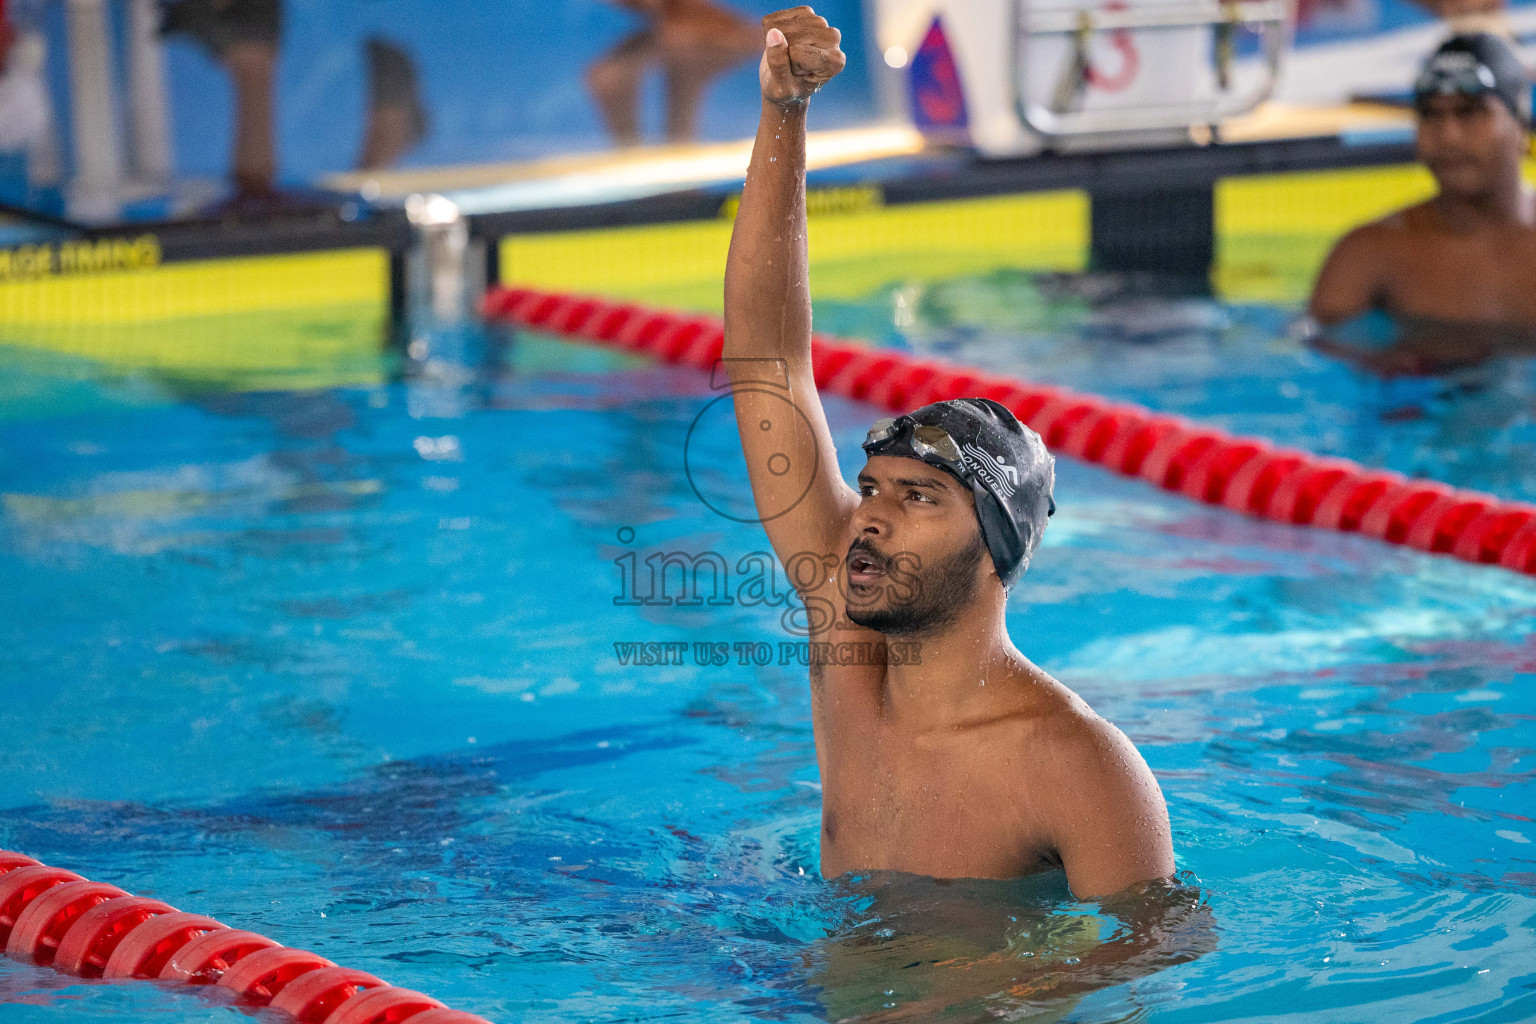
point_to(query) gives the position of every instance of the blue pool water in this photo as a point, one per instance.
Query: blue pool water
(339, 666)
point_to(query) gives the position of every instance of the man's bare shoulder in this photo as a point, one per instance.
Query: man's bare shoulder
(1100, 808)
(1385, 231)
(1053, 723)
(1078, 755)
(1361, 267)
(1080, 738)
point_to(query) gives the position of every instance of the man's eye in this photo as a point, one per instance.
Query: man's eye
(867, 490)
(919, 496)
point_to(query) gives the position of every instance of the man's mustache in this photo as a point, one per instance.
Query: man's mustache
(862, 548)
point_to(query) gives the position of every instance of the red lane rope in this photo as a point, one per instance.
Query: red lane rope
(1245, 474)
(95, 930)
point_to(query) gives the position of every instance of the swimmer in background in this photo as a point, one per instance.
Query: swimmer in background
(973, 762)
(692, 41)
(243, 36)
(1456, 274)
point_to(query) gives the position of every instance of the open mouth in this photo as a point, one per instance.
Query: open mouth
(863, 568)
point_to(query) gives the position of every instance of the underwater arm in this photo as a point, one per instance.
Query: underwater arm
(1039, 961)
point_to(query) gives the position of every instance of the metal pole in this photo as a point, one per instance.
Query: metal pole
(148, 121)
(98, 157)
(442, 284)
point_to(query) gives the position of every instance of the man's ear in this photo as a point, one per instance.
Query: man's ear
(979, 543)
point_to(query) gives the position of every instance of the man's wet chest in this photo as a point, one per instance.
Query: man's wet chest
(960, 805)
(1473, 277)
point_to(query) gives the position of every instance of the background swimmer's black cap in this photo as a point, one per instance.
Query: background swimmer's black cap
(1476, 64)
(1007, 467)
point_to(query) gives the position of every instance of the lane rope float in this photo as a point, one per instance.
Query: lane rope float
(53, 917)
(1245, 474)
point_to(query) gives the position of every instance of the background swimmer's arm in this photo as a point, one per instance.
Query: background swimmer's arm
(799, 491)
(1350, 283)
(1107, 818)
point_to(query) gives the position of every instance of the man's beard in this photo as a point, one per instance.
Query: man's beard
(942, 593)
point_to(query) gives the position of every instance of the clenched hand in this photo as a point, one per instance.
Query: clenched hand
(800, 55)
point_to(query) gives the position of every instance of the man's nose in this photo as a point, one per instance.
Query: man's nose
(869, 520)
(1449, 131)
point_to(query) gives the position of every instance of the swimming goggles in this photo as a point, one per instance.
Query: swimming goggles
(1451, 74)
(927, 441)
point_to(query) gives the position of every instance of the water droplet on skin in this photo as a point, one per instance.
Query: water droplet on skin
(773, 159)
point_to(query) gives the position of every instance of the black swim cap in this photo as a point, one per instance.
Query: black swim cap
(1003, 462)
(1476, 64)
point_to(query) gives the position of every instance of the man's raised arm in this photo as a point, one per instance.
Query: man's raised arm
(800, 495)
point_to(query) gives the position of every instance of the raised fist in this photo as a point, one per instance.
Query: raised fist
(800, 55)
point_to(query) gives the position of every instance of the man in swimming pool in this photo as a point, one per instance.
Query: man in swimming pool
(955, 757)
(1467, 257)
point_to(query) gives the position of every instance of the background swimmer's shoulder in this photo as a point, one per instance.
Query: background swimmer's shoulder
(1393, 223)
(1418, 217)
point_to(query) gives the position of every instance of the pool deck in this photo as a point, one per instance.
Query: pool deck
(870, 153)
(1112, 209)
